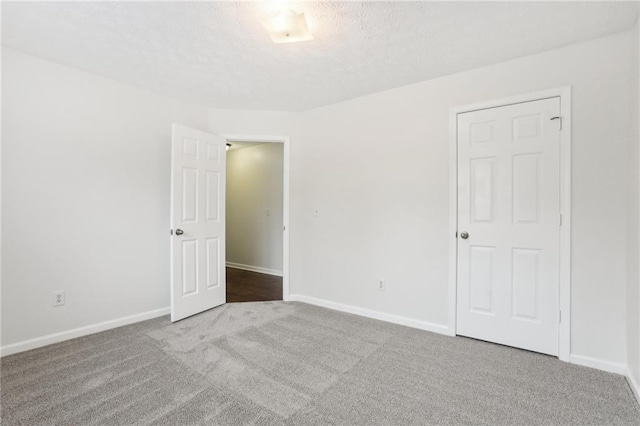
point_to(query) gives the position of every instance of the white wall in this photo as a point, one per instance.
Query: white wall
(377, 169)
(252, 122)
(633, 255)
(254, 206)
(85, 197)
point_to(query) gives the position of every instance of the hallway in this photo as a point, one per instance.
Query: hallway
(247, 286)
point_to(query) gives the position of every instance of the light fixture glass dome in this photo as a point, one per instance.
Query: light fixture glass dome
(288, 27)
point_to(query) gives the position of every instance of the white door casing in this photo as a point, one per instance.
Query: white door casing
(198, 278)
(509, 204)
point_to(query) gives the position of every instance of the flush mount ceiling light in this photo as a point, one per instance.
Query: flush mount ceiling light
(287, 27)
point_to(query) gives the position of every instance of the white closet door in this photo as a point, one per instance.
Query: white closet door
(509, 225)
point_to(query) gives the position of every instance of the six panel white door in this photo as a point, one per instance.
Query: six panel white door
(197, 222)
(509, 205)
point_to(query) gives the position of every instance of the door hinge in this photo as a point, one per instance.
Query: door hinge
(557, 118)
(560, 316)
(560, 219)
(172, 232)
(284, 228)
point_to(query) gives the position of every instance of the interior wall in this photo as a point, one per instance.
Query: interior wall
(85, 187)
(254, 206)
(633, 255)
(252, 122)
(377, 169)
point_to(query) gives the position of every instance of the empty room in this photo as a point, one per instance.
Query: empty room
(320, 213)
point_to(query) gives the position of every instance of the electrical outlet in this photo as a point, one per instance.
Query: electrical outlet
(58, 298)
(381, 284)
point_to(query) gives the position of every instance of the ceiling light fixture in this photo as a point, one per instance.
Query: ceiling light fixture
(288, 27)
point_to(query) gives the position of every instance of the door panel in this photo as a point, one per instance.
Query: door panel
(524, 283)
(481, 282)
(197, 210)
(509, 204)
(482, 189)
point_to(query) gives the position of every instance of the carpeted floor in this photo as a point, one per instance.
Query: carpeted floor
(277, 363)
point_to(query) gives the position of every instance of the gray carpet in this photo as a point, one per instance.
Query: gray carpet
(278, 363)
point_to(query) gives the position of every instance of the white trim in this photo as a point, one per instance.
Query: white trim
(286, 141)
(453, 220)
(259, 269)
(564, 338)
(599, 364)
(564, 93)
(395, 319)
(634, 385)
(49, 339)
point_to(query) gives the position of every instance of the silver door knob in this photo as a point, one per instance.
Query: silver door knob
(463, 235)
(179, 232)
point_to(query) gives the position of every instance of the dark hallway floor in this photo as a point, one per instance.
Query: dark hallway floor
(247, 286)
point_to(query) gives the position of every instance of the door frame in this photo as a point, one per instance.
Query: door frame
(564, 93)
(285, 141)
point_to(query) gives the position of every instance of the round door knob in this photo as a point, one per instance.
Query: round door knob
(464, 235)
(179, 232)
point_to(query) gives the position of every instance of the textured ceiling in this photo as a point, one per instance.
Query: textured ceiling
(217, 53)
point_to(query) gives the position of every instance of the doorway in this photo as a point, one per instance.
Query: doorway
(255, 227)
(510, 205)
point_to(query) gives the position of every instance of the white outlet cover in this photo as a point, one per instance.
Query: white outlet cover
(58, 298)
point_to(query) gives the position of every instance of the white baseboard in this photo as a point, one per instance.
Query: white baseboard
(38, 342)
(259, 269)
(396, 319)
(634, 385)
(611, 367)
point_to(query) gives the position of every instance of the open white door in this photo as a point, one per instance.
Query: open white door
(198, 280)
(509, 225)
